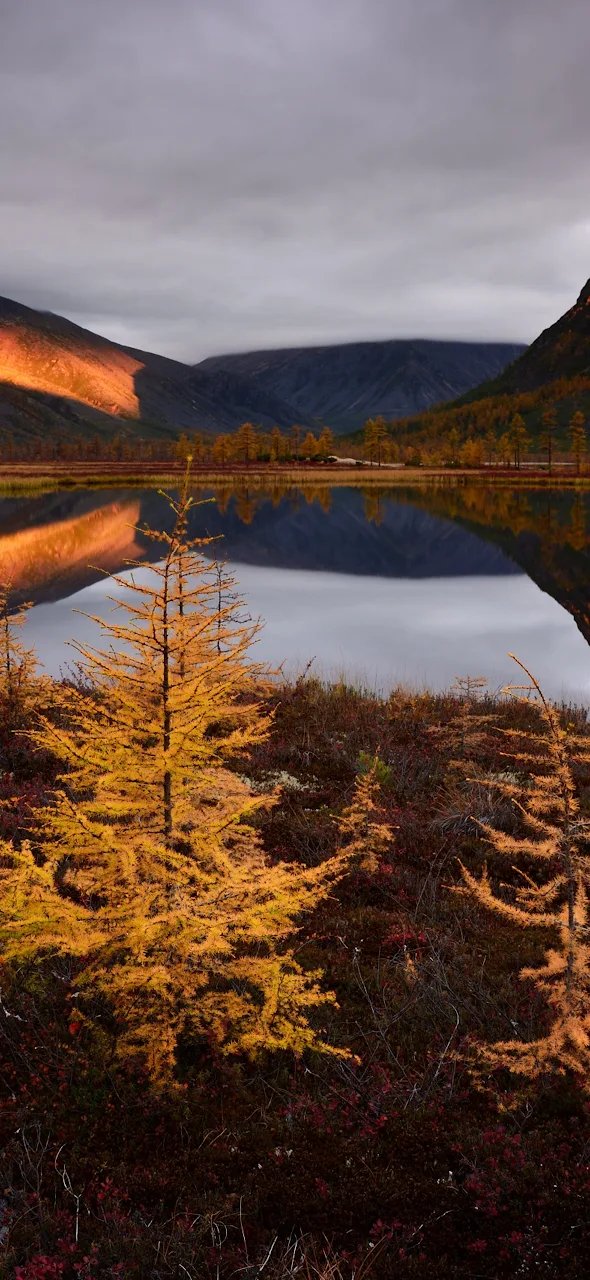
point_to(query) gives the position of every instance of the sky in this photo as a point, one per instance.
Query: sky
(201, 176)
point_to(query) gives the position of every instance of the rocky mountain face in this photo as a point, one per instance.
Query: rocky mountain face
(344, 384)
(58, 378)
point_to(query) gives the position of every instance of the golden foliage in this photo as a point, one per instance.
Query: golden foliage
(18, 664)
(466, 732)
(152, 873)
(552, 889)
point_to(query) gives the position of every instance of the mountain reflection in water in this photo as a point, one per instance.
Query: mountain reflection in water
(415, 583)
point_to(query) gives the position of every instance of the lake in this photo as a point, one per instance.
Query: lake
(412, 584)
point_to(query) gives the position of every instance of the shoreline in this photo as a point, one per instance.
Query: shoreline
(16, 476)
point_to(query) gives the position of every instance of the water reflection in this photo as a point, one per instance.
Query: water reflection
(413, 583)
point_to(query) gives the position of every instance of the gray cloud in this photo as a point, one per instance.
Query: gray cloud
(197, 176)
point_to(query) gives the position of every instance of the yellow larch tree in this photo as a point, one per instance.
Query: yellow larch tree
(556, 837)
(152, 874)
(221, 451)
(18, 664)
(246, 443)
(375, 435)
(23, 689)
(519, 438)
(325, 443)
(309, 448)
(549, 421)
(577, 430)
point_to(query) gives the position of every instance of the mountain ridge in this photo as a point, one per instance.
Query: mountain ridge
(561, 351)
(56, 374)
(342, 384)
(57, 377)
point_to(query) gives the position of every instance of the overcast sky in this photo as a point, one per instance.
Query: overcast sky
(202, 176)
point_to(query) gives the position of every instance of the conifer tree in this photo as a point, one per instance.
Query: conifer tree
(278, 445)
(246, 443)
(325, 442)
(557, 838)
(182, 448)
(491, 445)
(18, 664)
(222, 449)
(375, 434)
(309, 447)
(577, 430)
(21, 687)
(519, 438)
(452, 446)
(152, 874)
(295, 442)
(549, 421)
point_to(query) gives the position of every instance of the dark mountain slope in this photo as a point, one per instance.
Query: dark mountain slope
(561, 354)
(56, 376)
(60, 379)
(561, 351)
(346, 383)
(553, 372)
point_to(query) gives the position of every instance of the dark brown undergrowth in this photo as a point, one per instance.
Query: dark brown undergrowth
(401, 1166)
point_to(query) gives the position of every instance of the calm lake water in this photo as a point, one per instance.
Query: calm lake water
(416, 585)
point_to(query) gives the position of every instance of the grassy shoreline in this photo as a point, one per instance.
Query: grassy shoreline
(16, 477)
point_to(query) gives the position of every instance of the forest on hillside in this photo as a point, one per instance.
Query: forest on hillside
(546, 426)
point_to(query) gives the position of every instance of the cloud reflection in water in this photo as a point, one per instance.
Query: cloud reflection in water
(379, 631)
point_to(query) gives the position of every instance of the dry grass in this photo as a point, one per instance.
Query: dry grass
(17, 477)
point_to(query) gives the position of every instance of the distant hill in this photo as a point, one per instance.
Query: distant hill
(553, 371)
(344, 384)
(57, 377)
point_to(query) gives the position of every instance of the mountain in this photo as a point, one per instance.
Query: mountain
(344, 384)
(57, 377)
(553, 372)
(558, 357)
(561, 351)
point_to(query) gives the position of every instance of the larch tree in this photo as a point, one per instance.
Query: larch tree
(23, 689)
(278, 445)
(491, 446)
(18, 664)
(519, 438)
(295, 440)
(375, 435)
(152, 876)
(555, 838)
(325, 442)
(549, 421)
(577, 430)
(221, 451)
(246, 442)
(452, 446)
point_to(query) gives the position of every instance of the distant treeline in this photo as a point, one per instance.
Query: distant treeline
(545, 425)
(248, 443)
